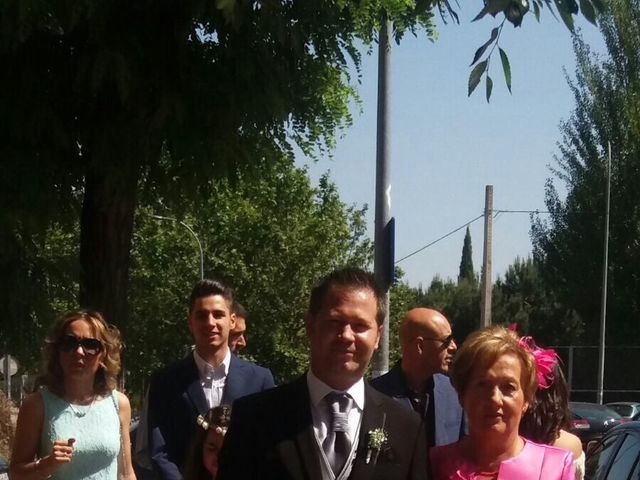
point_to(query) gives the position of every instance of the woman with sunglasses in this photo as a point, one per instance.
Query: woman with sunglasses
(77, 425)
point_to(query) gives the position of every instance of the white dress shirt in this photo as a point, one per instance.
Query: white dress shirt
(213, 379)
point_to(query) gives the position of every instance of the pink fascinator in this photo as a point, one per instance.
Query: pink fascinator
(546, 360)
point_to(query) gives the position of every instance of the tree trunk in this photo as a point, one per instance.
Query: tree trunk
(106, 231)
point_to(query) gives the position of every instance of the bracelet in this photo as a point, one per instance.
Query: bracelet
(37, 465)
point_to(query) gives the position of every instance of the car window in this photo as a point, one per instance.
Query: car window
(593, 411)
(624, 410)
(626, 459)
(598, 457)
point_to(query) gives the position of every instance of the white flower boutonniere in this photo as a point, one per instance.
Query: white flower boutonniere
(377, 440)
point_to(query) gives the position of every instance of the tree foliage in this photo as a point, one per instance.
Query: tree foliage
(95, 91)
(466, 272)
(514, 11)
(524, 298)
(271, 237)
(569, 246)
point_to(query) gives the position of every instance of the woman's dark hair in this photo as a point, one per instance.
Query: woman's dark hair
(215, 417)
(549, 412)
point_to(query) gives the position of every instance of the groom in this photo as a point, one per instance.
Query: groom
(329, 423)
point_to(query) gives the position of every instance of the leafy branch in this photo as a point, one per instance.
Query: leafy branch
(514, 12)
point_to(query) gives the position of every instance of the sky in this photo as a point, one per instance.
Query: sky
(446, 147)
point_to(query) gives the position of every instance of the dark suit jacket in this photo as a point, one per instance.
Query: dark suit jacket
(449, 417)
(271, 437)
(176, 399)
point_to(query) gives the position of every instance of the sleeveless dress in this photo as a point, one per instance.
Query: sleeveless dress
(96, 429)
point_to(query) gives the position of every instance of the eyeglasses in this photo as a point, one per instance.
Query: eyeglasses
(446, 342)
(90, 346)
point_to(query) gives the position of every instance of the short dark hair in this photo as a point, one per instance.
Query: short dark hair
(238, 310)
(348, 278)
(206, 288)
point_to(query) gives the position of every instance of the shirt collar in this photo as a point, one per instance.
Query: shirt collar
(318, 390)
(206, 369)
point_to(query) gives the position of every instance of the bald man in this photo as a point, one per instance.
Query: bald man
(419, 380)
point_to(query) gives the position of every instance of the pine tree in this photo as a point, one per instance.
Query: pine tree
(466, 262)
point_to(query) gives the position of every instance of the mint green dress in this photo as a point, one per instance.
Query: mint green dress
(96, 429)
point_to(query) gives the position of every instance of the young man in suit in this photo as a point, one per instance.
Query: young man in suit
(329, 423)
(207, 377)
(419, 380)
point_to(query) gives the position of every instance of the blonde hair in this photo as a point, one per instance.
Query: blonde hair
(482, 348)
(106, 376)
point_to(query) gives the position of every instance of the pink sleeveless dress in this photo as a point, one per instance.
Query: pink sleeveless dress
(534, 462)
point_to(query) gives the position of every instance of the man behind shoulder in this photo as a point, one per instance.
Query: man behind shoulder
(329, 423)
(207, 377)
(419, 380)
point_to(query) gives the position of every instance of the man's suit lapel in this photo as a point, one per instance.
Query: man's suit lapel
(300, 454)
(233, 387)
(399, 385)
(194, 393)
(373, 417)
(441, 408)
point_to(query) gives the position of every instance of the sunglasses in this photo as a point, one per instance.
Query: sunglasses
(90, 346)
(445, 341)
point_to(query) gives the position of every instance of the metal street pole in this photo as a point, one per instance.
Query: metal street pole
(160, 217)
(605, 268)
(382, 263)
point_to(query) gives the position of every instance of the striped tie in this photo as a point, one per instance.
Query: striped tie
(337, 445)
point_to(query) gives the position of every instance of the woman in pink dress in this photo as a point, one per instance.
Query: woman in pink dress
(495, 378)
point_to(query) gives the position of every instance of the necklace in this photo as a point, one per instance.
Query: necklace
(82, 413)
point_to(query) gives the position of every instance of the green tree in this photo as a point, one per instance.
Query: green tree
(94, 91)
(524, 298)
(569, 246)
(402, 298)
(459, 302)
(466, 272)
(271, 236)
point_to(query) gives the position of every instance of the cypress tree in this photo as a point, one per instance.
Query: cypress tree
(466, 262)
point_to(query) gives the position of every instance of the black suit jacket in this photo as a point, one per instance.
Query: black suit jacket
(450, 422)
(271, 437)
(176, 399)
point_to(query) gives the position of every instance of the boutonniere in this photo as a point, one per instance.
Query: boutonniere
(376, 441)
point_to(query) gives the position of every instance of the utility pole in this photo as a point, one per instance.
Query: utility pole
(382, 264)
(605, 269)
(485, 314)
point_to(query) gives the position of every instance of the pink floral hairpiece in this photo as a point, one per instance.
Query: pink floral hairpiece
(546, 360)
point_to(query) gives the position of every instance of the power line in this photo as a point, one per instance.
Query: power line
(496, 213)
(441, 238)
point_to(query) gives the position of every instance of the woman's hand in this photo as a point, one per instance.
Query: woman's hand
(61, 453)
